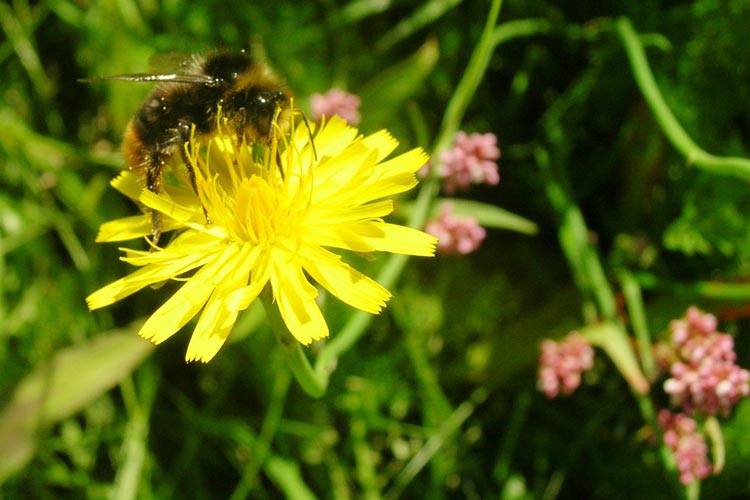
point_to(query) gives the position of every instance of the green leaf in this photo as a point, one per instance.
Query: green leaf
(383, 96)
(713, 220)
(614, 341)
(487, 215)
(491, 215)
(72, 379)
(427, 14)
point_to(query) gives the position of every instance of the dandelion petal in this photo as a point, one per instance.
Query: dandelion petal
(295, 298)
(177, 311)
(212, 331)
(346, 283)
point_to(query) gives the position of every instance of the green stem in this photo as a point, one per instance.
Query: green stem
(574, 235)
(271, 422)
(715, 290)
(512, 435)
(451, 425)
(733, 166)
(467, 87)
(358, 322)
(284, 473)
(363, 457)
(296, 358)
(520, 28)
(712, 429)
(634, 300)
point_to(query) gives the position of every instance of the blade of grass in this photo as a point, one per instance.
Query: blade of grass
(428, 13)
(434, 444)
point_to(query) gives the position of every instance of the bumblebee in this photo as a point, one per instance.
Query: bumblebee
(188, 93)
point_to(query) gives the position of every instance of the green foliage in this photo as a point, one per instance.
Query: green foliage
(621, 139)
(713, 222)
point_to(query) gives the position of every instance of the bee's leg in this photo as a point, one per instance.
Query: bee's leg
(191, 172)
(153, 182)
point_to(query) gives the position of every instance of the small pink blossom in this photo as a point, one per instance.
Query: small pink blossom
(562, 363)
(456, 235)
(705, 378)
(688, 445)
(336, 102)
(472, 160)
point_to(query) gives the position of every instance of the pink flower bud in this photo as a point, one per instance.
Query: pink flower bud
(562, 363)
(456, 235)
(472, 160)
(688, 445)
(336, 102)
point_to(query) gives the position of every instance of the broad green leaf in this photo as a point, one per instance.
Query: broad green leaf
(72, 379)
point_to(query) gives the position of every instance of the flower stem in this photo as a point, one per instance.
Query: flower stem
(713, 290)
(358, 322)
(520, 28)
(631, 289)
(733, 166)
(582, 256)
(296, 358)
(480, 58)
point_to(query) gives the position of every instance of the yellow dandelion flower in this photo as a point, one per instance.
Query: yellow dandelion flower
(269, 230)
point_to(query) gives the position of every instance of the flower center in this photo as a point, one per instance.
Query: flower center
(253, 193)
(260, 212)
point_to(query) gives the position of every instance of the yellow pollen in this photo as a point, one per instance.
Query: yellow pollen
(259, 212)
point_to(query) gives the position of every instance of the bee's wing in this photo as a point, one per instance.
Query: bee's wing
(165, 67)
(155, 77)
(163, 63)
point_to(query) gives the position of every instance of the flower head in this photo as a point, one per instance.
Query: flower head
(704, 378)
(688, 445)
(472, 160)
(456, 235)
(336, 102)
(277, 220)
(562, 363)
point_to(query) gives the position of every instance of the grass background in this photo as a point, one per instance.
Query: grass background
(438, 399)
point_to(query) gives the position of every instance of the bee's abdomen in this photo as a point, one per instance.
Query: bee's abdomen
(136, 153)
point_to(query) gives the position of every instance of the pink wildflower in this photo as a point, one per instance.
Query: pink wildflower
(705, 378)
(456, 235)
(688, 445)
(336, 102)
(562, 363)
(473, 160)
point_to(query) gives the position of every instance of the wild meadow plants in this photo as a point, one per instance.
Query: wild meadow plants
(501, 251)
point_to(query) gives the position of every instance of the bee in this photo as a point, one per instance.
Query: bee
(188, 93)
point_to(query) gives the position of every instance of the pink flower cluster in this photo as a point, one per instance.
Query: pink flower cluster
(336, 102)
(473, 160)
(562, 363)
(705, 378)
(688, 445)
(455, 234)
